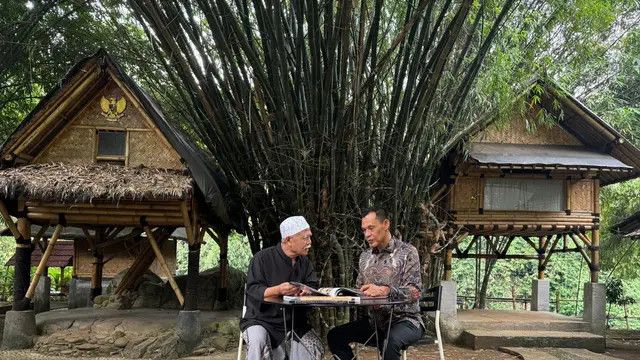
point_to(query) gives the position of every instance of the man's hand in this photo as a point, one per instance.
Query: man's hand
(305, 291)
(288, 289)
(375, 290)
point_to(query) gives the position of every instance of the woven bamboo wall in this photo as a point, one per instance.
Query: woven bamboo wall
(515, 132)
(76, 143)
(72, 146)
(145, 149)
(466, 194)
(92, 113)
(84, 260)
(582, 195)
(467, 197)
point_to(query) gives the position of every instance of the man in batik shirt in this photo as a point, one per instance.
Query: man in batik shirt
(390, 267)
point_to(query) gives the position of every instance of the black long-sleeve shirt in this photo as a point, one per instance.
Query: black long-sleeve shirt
(271, 267)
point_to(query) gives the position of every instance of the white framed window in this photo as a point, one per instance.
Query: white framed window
(524, 194)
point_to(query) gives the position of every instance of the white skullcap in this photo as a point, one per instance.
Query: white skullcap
(293, 225)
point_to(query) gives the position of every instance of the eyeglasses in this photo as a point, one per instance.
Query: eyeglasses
(306, 238)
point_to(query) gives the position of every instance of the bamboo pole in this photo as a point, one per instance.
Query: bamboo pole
(543, 244)
(39, 235)
(595, 255)
(151, 205)
(43, 262)
(163, 264)
(107, 211)
(448, 261)
(109, 220)
(187, 223)
(582, 252)
(7, 220)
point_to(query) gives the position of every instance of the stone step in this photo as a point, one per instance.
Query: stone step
(494, 339)
(520, 320)
(554, 354)
(556, 325)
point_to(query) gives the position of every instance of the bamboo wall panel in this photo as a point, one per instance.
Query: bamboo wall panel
(84, 259)
(467, 193)
(515, 132)
(146, 149)
(92, 114)
(582, 195)
(72, 146)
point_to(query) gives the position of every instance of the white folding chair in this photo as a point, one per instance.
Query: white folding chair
(430, 301)
(244, 311)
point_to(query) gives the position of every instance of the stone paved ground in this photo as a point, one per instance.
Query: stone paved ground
(417, 353)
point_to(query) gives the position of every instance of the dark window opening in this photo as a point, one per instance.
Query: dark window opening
(112, 146)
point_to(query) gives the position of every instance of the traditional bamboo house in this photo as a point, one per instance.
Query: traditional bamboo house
(526, 181)
(629, 227)
(98, 155)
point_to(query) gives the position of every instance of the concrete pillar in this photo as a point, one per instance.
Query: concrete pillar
(449, 296)
(595, 301)
(79, 293)
(42, 298)
(188, 331)
(19, 330)
(540, 295)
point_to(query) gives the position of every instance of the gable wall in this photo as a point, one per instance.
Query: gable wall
(515, 132)
(76, 144)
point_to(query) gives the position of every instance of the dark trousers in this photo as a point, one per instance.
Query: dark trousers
(402, 334)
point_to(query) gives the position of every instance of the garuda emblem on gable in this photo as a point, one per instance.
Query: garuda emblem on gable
(112, 107)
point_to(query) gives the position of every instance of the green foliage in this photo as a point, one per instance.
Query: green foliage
(615, 293)
(7, 249)
(58, 283)
(239, 254)
(567, 273)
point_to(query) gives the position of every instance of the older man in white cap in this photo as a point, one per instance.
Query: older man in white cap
(269, 274)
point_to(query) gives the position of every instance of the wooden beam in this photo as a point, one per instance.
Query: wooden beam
(581, 251)
(448, 264)
(141, 263)
(551, 251)
(43, 262)
(187, 223)
(37, 239)
(4, 212)
(163, 264)
(595, 255)
(542, 242)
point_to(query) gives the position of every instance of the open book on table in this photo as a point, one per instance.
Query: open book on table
(330, 291)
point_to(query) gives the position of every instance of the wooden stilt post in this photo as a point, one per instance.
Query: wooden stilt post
(193, 272)
(163, 264)
(595, 255)
(448, 260)
(542, 244)
(223, 281)
(22, 270)
(43, 262)
(595, 235)
(193, 265)
(98, 264)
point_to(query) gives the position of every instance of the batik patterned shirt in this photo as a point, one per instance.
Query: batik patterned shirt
(398, 267)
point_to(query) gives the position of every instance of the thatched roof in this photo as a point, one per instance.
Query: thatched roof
(84, 183)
